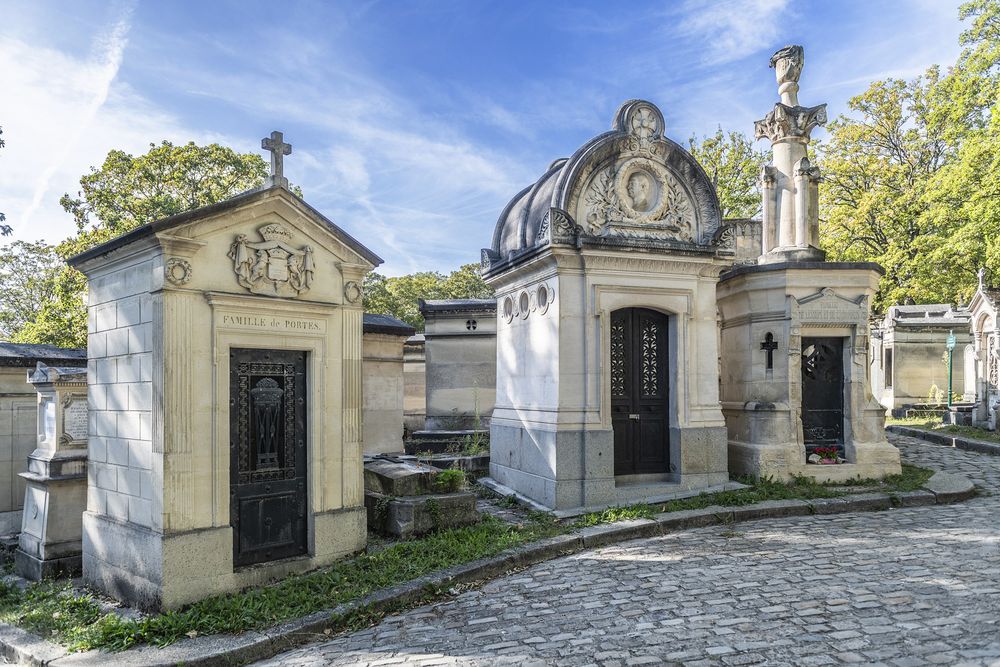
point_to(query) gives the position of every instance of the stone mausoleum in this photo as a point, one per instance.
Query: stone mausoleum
(607, 343)
(614, 383)
(225, 379)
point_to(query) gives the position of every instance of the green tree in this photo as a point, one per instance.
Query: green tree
(910, 176)
(27, 272)
(126, 192)
(734, 165)
(5, 230)
(398, 296)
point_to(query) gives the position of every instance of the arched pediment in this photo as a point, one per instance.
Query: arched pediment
(630, 186)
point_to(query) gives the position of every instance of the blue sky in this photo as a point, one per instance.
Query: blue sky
(413, 123)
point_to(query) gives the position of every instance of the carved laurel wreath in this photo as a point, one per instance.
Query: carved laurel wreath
(178, 271)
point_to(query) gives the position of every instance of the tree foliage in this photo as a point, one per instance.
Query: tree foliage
(26, 272)
(733, 164)
(911, 175)
(5, 230)
(398, 296)
(126, 192)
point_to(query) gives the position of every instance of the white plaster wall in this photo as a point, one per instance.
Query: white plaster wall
(460, 369)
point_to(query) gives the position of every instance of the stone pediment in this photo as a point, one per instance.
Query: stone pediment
(630, 187)
(266, 242)
(828, 307)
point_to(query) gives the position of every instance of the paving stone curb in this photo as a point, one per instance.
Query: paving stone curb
(209, 651)
(948, 440)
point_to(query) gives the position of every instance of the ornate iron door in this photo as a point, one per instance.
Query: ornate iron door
(639, 361)
(267, 430)
(822, 392)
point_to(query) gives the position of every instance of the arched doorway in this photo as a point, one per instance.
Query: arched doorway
(640, 391)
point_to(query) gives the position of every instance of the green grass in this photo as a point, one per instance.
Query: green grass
(51, 610)
(934, 424)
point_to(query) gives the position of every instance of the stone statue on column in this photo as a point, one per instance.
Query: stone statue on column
(790, 184)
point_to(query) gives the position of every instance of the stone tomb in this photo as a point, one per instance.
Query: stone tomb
(383, 383)
(56, 478)
(225, 351)
(460, 350)
(984, 362)
(18, 419)
(607, 359)
(907, 359)
(795, 328)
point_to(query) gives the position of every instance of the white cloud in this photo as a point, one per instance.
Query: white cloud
(733, 29)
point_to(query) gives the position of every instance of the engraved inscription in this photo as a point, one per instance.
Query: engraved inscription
(75, 420)
(271, 322)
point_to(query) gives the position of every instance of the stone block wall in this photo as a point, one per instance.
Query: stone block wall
(119, 364)
(382, 383)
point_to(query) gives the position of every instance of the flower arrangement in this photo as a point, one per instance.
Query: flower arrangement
(827, 455)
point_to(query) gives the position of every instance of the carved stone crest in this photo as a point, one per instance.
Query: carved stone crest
(353, 291)
(272, 266)
(178, 271)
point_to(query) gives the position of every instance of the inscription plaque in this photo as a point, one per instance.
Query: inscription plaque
(75, 420)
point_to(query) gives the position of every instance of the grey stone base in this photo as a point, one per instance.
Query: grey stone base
(409, 516)
(35, 569)
(522, 459)
(155, 571)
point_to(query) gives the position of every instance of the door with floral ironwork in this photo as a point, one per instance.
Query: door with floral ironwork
(639, 391)
(267, 431)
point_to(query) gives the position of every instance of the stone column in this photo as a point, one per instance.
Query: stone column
(56, 493)
(769, 222)
(788, 126)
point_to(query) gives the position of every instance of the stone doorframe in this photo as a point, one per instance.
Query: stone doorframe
(308, 333)
(676, 305)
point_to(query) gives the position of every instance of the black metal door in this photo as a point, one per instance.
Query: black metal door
(267, 431)
(639, 361)
(822, 392)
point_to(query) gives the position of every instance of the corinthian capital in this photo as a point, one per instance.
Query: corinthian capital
(786, 122)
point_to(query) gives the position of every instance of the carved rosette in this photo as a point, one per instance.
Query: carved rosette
(785, 122)
(272, 266)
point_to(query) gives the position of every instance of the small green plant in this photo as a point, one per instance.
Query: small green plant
(449, 481)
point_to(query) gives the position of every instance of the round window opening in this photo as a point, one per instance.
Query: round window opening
(508, 308)
(524, 303)
(542, 296)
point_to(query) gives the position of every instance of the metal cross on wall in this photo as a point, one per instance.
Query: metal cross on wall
(279, 149)
(769, 346)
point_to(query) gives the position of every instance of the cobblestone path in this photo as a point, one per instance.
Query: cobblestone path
(903, 587)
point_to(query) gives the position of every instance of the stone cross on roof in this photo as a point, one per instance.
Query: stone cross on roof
(981, 275)
(279, 149)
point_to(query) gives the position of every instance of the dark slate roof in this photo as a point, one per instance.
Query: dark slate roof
(26, 355)
(187, 216)
(457, 305)
(386, 324)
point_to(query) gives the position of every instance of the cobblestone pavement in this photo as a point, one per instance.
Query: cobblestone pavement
(903, 587)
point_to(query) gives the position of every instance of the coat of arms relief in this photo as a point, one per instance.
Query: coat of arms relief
(272, 266)
(636, 196)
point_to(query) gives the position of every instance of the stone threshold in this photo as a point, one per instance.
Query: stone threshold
(948, 439)
(22, 647)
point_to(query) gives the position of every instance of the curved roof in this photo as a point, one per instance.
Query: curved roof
(630, 187)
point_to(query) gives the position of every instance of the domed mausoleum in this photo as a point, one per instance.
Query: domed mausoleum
(607, 337)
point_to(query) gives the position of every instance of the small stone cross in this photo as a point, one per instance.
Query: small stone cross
(279, 149)
(769, 346)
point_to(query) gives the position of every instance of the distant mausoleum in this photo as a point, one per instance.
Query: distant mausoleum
(909, 360)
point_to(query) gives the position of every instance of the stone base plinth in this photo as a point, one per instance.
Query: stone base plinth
(410, 516)
(572, 469)
(36, 569)
(156, 571)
